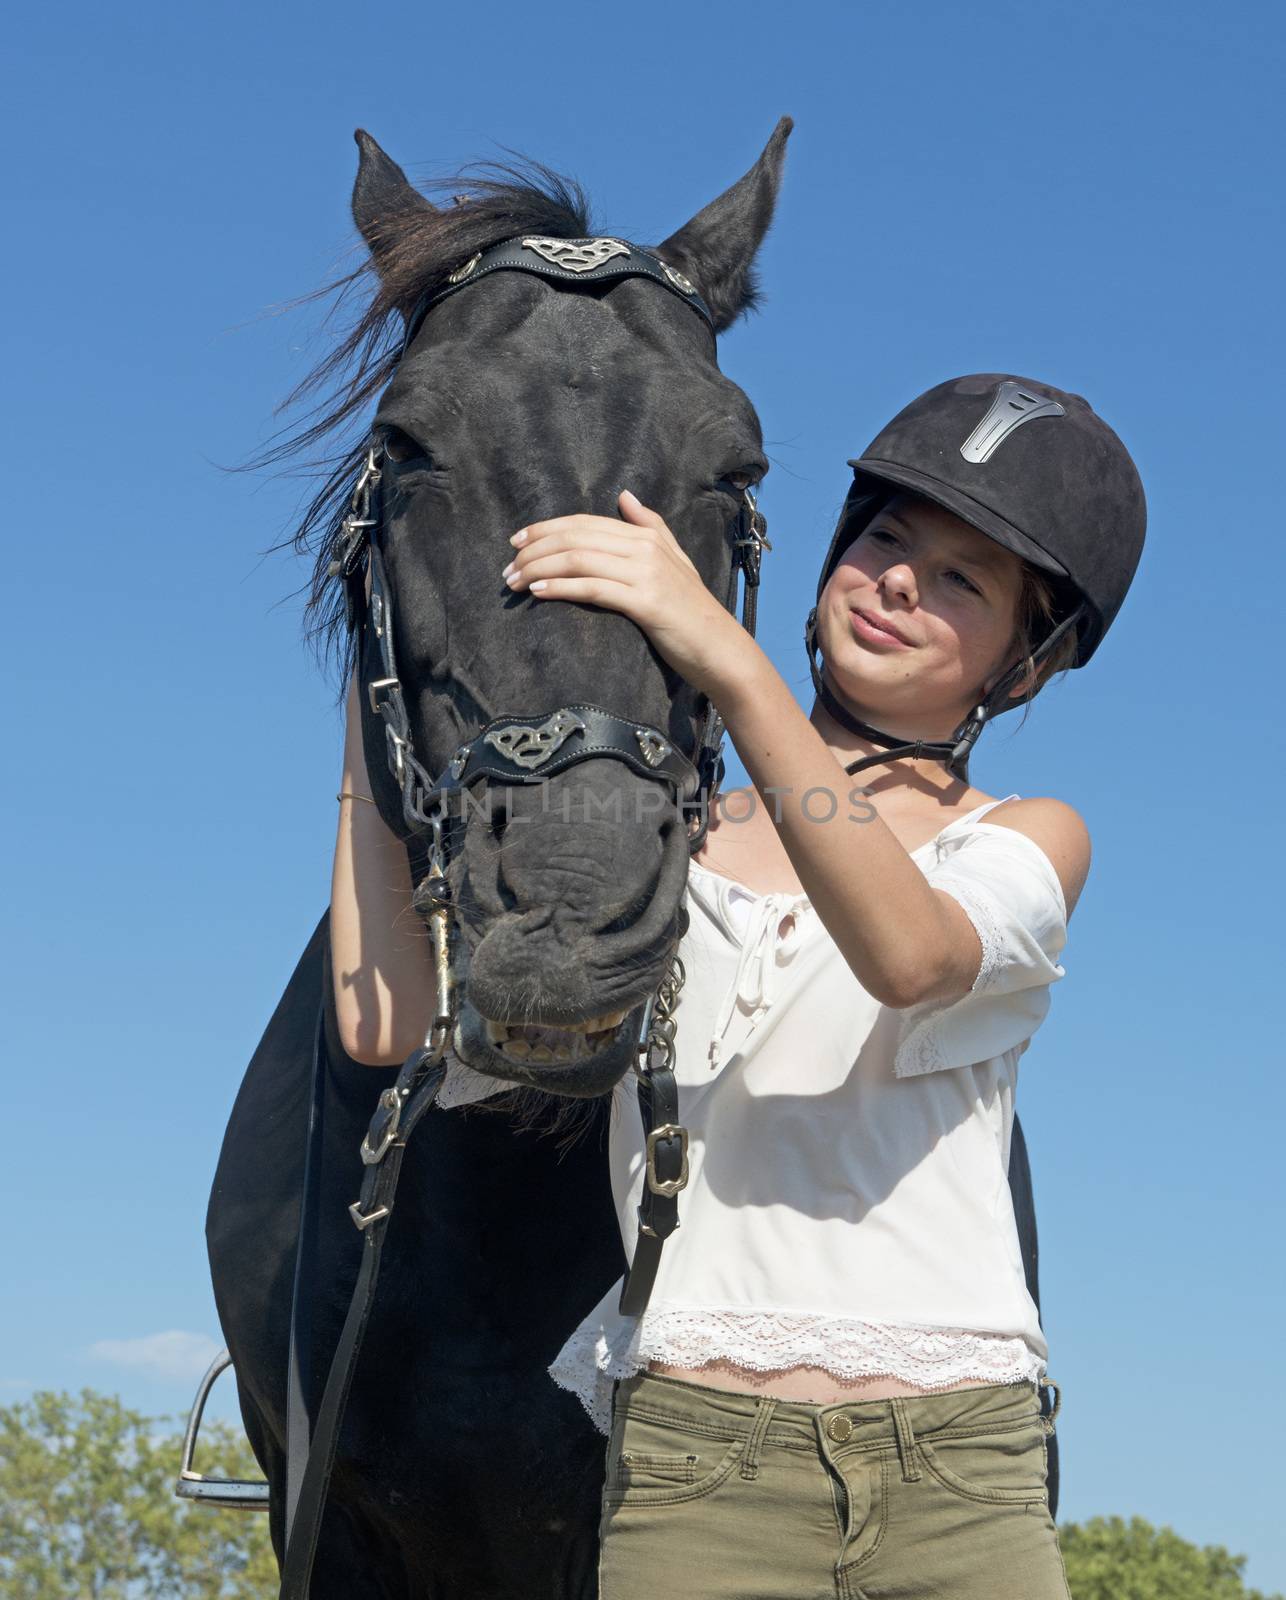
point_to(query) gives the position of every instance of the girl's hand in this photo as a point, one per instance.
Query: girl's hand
(634, 566)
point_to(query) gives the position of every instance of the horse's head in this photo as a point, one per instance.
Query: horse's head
(521, 397)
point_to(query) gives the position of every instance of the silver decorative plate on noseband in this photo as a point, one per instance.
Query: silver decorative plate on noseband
(530, 747)
(576, 255)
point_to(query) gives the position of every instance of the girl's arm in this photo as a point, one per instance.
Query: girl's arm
(381, 955)
(904, 940)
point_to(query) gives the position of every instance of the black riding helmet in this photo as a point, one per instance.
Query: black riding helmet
(1034, 469)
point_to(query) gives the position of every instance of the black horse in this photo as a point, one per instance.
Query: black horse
(462, 1469)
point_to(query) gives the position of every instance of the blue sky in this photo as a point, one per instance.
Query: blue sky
(1084, 192)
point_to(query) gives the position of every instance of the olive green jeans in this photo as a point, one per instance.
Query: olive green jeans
(711, 1494)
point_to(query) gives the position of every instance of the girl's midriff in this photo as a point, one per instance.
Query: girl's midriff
(812, 1385)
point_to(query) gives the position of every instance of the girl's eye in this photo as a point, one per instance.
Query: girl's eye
(883, 533)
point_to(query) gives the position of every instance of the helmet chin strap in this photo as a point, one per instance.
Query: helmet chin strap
(956, 750)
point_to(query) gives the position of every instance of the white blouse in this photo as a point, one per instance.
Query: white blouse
(848, 1205)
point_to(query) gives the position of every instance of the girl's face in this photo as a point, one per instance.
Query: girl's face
(948, 591)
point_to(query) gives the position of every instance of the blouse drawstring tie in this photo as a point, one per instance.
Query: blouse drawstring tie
(756, 980)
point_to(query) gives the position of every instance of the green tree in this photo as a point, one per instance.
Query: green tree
(1108, 1558)
(88, 1509)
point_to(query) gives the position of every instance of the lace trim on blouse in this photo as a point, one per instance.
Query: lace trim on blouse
(922, 1047)
(773, 1341)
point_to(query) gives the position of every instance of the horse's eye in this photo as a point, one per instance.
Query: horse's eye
(400, 448)
(740, 481)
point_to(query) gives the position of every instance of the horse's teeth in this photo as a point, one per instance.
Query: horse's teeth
(518, 1039)
(609, 1019)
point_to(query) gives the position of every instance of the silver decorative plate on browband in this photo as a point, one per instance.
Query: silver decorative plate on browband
(577, 255)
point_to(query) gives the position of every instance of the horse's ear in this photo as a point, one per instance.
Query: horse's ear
(383, 198)
(717, 248)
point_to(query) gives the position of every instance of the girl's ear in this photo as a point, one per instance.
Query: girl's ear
(1026, 681)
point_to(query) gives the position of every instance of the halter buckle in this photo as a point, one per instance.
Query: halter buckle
(379, 690)
(363, 1219)
(397, 754)
(384, 1125)
(667, 1130)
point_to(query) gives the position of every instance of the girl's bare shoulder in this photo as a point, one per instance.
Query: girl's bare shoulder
(1059, 830)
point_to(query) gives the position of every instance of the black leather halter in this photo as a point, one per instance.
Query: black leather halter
(518, 748)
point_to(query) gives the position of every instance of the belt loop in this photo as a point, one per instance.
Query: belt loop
(906, 1442)
(1049, 1410)
(763, 1416)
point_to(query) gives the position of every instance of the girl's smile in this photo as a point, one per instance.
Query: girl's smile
(868, 631)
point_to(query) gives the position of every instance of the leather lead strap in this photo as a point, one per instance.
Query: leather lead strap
(299, 1372)
(301, 1549)
(658, 1213)
(419, 1088)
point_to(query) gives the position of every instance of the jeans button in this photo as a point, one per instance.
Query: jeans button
(839, 1428)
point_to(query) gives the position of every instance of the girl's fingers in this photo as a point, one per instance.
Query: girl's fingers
(597, 591)
(613, 538)
(577, 526)
(633, 510)
(581, 563)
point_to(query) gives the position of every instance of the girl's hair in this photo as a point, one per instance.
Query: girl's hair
(1042, 603)
(1038, 613)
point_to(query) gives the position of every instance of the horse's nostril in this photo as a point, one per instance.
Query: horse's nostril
(630, 915)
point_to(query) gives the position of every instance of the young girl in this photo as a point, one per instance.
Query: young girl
(833, 1389)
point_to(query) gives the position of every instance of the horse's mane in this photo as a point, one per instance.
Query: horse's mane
(419, 247)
